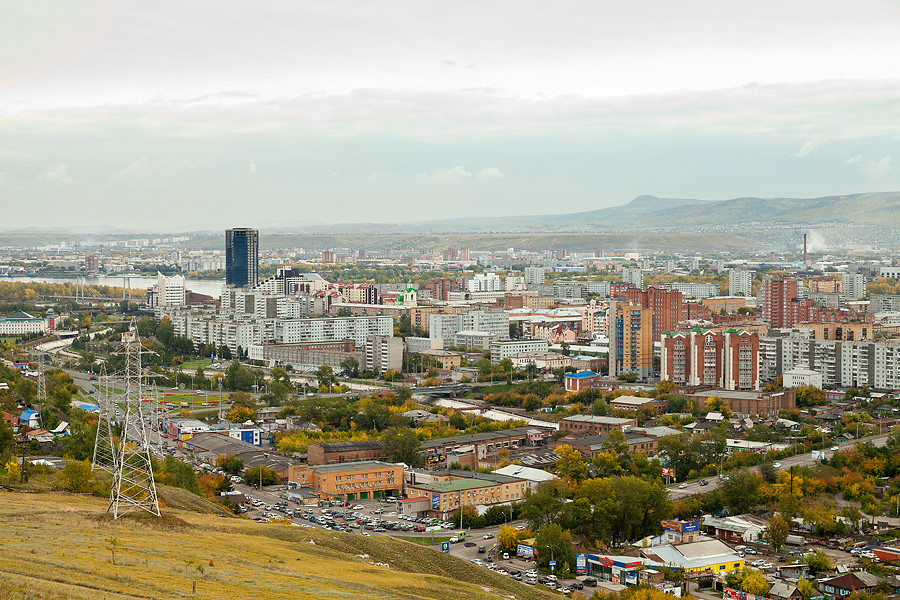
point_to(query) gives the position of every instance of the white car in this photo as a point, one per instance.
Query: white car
(777, 465)
(477, 561)
(835, 448)
(682, 486)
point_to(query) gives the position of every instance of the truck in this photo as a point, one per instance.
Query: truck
(794, 540)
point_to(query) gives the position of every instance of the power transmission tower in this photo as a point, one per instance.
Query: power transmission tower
(105, 449)
(133, 485)
(156, 440)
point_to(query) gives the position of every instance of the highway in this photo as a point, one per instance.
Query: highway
(801, 460)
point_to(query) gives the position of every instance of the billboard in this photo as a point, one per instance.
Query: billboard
(668, 471)
(445, 547)
(435, 501)
(581, 563)
(631, 577)
(525, 551)
(681, 526)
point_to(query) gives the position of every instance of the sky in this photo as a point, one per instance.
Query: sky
(204, 114)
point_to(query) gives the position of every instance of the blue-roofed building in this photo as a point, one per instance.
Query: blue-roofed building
(575, 382)
(31, 418)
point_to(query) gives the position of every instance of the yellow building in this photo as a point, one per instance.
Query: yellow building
(696, 559)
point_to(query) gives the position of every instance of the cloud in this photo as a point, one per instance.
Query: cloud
(461, 173)
(451, 175)
(490, 174)
(252, 167)
(809, 147)
(58, 175)
(144, 169)
(876, 169)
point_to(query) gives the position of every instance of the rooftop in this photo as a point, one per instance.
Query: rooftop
(597, 419)
(362, 465)
(454, 485)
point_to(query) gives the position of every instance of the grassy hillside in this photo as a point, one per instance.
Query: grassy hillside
(57, 546)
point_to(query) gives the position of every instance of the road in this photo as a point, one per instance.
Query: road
(801, 460)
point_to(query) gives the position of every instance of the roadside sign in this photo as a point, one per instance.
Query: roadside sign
(552, 563)
(445, 547)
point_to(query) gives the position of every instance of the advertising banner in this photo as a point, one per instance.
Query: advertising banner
(581, 563)
(668, 471)
(435, 501)
(445, 547)
(631, 577)
(525, 551)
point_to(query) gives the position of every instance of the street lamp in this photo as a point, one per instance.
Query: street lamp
(261, 466)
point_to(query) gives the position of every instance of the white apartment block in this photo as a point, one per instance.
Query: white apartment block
(884, 303)
(890, 272)
(534, 275)
(384, 353)
(599, 288)
(514, 284)
(484, 282)
(853, 285)
(170, 290)
(508, 348)
(443, 326)
(695, 290)
(844, 364)
(633, 275)
(740, 282)
(359, 329)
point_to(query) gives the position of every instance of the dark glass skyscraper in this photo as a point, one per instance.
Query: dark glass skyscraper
(241, 257)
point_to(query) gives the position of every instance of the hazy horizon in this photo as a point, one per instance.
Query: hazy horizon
(177, 116)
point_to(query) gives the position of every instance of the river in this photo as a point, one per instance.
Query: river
(210, 287)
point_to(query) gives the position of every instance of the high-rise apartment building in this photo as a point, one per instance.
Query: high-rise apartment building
(631, 342)
(728, 360)
(853, 285)
(633, 275)
(241, 257)
(666, 307)
(740, 282)
(534, 275)
(779, 297)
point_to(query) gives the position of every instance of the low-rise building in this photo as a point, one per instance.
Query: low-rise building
(447, 496)
(593, 424)
(328, 453)
(706, 558)
(637, 403)
(351, 481)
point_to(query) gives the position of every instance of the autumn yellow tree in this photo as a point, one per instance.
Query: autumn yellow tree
(507, 538)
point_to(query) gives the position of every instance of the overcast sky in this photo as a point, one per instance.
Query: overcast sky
(213, 113)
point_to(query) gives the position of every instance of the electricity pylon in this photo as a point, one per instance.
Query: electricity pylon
(134, 485)
(105, 449)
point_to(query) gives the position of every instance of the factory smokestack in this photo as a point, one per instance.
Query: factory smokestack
(804, 248)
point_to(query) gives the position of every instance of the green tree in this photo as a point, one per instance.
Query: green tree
(740, 491)
(552, 543)
(545, 504)
(269, 477)
(350, 366)
(402, 445)
(755, 583)
(776, 533)
(818, 561)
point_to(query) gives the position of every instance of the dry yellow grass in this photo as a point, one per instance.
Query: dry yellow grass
(54, 546)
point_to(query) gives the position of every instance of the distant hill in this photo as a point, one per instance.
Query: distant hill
(650, 212)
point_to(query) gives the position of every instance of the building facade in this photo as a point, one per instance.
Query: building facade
(241, 257)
